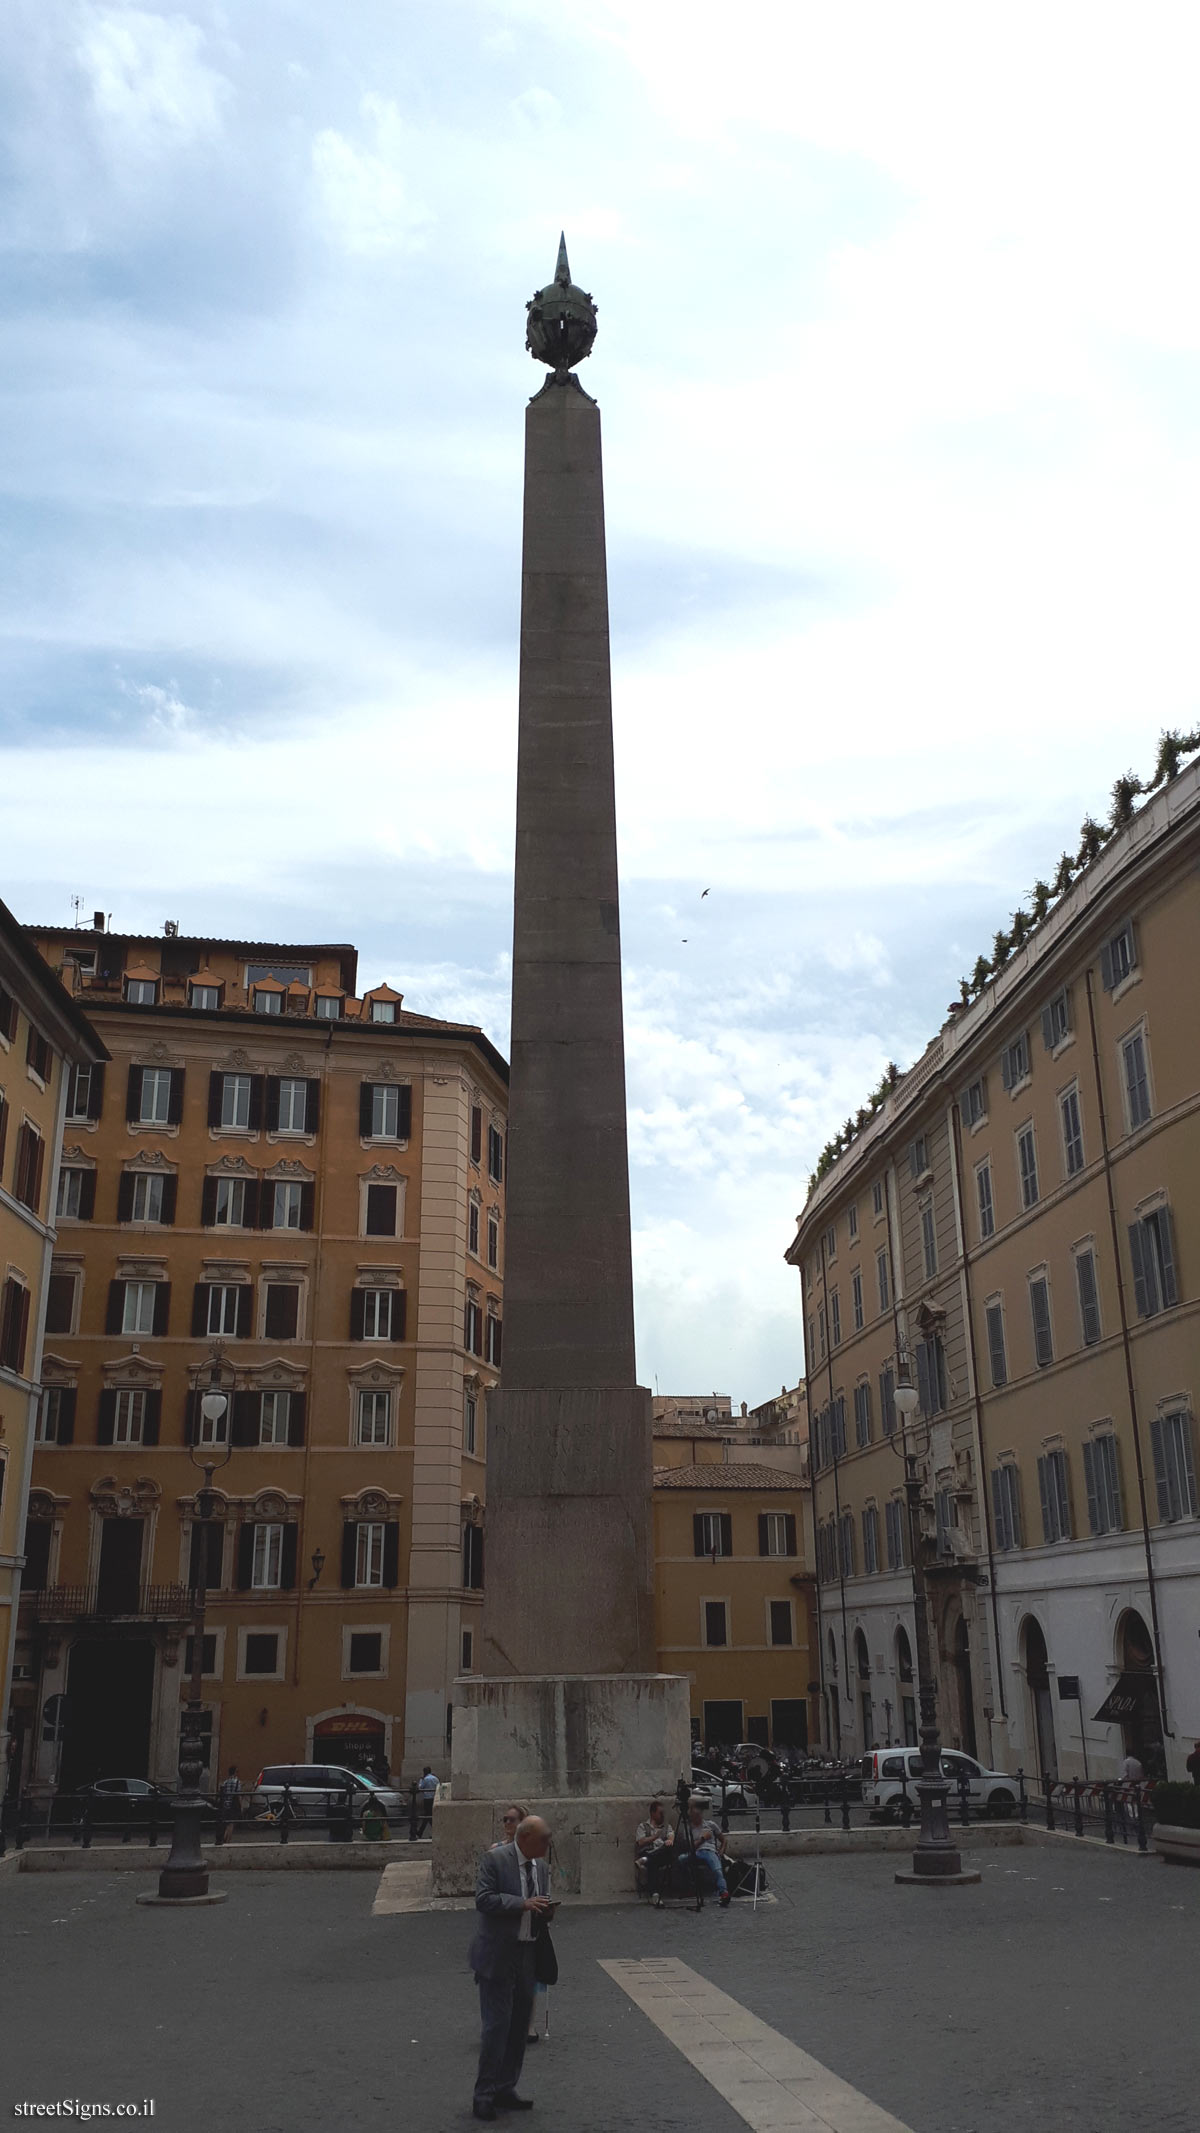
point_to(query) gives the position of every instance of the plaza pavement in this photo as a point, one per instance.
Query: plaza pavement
(1059, 1996)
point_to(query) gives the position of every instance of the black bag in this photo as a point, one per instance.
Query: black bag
(545, 1961)
(741, 1876)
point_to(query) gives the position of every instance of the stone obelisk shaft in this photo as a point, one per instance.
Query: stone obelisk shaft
(569, 1567)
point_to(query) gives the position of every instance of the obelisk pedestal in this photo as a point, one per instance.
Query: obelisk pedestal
(568, 1717)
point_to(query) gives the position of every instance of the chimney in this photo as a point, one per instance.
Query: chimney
(97, 921)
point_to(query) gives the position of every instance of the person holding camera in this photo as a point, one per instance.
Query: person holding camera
(653, 1850)
(708, 1847)
(512, 1900)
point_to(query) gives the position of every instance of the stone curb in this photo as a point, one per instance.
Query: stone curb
(293, 1858)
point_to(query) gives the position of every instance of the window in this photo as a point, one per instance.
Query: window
(826, 1565)
(929, 1240)
(382, 1204)
(716, 1623)
(837, 1426)
(1039, 1305)
(138, 1313)
(147, 1196)
(781, 1622)
(1027, 1166)
(852, 1222)
(495, 1154)
(236, 1092)
(472, 1551)
(129, 1415)
(1174, 1465)
(918, 1156)
(1072, 1132)
(493, 1238)
(492, 1339)
(76, 1194)
(846, 1544)
(261, 1655)
(1137, 1085)
(1102, 1479)
(1151, 1248)
(1089, 1297)
(14, 1325)
(267, 1557)
(377, 1314)
(712, 1533)
(476, 1133)
(1055, 1496)
(286, 1205)
(141, 992)
(931, 1375)
(1006, 1507)
(468, 1650)
(385, 1111)
(366, 1652)
(862, 1414)
(328, 1006)
(27, 1172)
(37, 1053)
(208, 1654)
(831, 1241)
(835, 1317)
(945, 1512)
(1056, 1020)
(821, 1328)
(56, 1415)
(374, 1417)
(223, 1307)
(877, 1197)
(368, 1561)
(274, 1417)
(229, 1203)
(267, 1001)
(974, 1102)
(473, 1227)
(983, 1194)
(472, 1327)
(470, 1423)
(870, 1529)
(893, 1519)
(1014, 1062)
(883, 1280)
(84, 1092)
(204, 996)
(776, 1533)
(1118, 957)
(292, 1106)
(281, 1316)
(997, 1356)
(155, 1105)
(856, 1300)
(887, 1405)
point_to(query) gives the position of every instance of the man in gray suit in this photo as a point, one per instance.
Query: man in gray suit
(511, 1898)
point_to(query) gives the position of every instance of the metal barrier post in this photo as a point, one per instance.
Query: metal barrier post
(412, 1814)
(285, 1813)
(1108, 1813)
(153, 1819)
(845, 1802)
(906, 1805)
(85, 1825)
(785, 1812)
(1049, 1785)
(724, 1806)
(1141, 1818)
(825, 1797)
(1024, 1808)
(3, 1827)
(964, 1804)
(1078, 1808)
(22, 1816)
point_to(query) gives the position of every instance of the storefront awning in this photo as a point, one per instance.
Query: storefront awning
(1132, 1696)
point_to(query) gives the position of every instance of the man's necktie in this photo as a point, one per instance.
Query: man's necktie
(529, 1889)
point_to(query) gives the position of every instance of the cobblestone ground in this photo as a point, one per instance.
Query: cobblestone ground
(1058, 1995)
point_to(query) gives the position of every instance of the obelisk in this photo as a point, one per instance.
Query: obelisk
(569, 1713)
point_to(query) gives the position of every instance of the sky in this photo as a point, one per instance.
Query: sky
(897, 364)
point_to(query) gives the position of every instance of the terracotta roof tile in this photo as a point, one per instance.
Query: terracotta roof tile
(728, 1474)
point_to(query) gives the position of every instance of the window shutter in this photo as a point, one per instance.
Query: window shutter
(287, 1563)
(208, 1203)
(349, 1551)
(264, 1207)
(1106, 966)
(1159, 1447)
(391, 1555)
(698, 1540)
(191, 1409)
(199, 1309)
(87, 1196)
(308, 1205)
(1006, 1074)
(476, 1133)
(404, 1129)
(312, 1106)
(270, 1103)
(924, 1383)
(1048, 1528)
(194, 1553)
(152, 1419)
(1137, 1253)
(477, 1344)
(358, 1306)
(66, 1415)
(246, 1419)
(1047, 1029)
(245, 1312)
(39, 1158)
(256, 1105)
(789, 1519)
(175, 1098)
(763, 1534)
(133, 1096)
(1166, 1246)
(107, 1419)
(116, 1307)
(245, 1557)
(1132, 932)
(726, 1533)
(216, 1084)
(254, 1187)
(296, 1418)
(169, 1200)
(96, 1093)
(365, 1098)
(162, 1305)
(399, 1314)
(125, 1196)
(998, 1509)
(4, 1110)
(1090, 1483)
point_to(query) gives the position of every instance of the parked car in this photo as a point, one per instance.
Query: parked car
(707, 1787)
(121, 1801)
(316, 1789)
(886, 1772)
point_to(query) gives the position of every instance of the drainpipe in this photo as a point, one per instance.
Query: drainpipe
(812, 1511)
(837, 1493)
(955, 1139)
(1130, 1392)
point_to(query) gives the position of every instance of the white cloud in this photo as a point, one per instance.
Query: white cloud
(364, 197)
(151, 88)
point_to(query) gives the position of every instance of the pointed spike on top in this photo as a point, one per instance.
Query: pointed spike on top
(562, 271)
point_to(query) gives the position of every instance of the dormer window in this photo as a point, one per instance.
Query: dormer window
(383, 1010)
(328, 1006)
(268, 1000)
(141, 992)
(204, 996)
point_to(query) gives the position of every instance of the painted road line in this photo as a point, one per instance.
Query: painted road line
(769, 2081)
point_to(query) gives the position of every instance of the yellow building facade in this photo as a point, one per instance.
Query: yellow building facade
(1018, 1228)
(43, 1038)
(295, 1195)
(733, 1591)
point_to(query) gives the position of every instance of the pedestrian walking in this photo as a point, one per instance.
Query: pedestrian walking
(427, 1786)
(1132, 1772)
(513, 1910)
(229, 1804)
(1192, 1765)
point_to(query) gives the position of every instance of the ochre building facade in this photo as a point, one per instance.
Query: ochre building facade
(295, 1195)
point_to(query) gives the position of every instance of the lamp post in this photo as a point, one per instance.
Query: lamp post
(184, 1878)
(935, 1861)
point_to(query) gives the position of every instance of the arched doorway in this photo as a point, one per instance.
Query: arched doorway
(1037, 1674)
(862, 1666)
(904, 1676)
(1141, 1728)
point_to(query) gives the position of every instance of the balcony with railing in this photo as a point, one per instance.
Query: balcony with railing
(80, 1603)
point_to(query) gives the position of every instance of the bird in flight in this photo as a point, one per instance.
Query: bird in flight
(703, 894)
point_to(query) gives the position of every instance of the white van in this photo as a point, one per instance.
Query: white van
(887, 1771)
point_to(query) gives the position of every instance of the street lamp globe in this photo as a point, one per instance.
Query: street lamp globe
(213, 1406)
(907, 1399)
